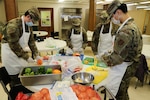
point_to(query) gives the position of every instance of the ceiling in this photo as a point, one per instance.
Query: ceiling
(128, 2)
(84, 1)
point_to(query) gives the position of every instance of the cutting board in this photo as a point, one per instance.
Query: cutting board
(99, 74)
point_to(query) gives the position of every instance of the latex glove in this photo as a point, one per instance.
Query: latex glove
(75, 49)
(38, 57)
(30, 60)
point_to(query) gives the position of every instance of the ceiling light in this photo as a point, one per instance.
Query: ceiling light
(60, 0)
(141, 7)
(145, 2)
(100, 2)
(132, 4)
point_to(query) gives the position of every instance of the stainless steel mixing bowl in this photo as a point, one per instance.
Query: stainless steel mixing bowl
(83, 78)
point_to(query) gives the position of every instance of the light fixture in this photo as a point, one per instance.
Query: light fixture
(142, 7)
(103, 1)
(132, 4)
(144, 2)
(100, 2)
(60, 0)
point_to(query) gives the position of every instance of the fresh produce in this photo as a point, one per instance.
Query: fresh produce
(56, 71)
(85, 92)
(22, 96)
(43, 94)
(45, 57)
(28, 70)
(39, 62)
(49, 70)
(41, 70)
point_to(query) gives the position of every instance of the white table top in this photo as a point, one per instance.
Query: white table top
(50, 45)
(40, 33)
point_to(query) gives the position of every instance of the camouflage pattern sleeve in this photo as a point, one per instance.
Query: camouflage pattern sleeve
(85, 41)
(68, 39)
(13, 36)
(127, 46)
(95, 39)
(120, 53)
(32, 45)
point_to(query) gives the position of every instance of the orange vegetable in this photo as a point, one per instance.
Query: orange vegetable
(56, 71)
(39, 62)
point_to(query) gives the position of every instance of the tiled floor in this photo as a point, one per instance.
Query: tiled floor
(140, 93)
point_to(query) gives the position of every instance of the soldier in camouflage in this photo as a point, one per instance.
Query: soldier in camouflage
(77, 36)
(103, 35)
(126, 51)
(17, 34)
(1, 26)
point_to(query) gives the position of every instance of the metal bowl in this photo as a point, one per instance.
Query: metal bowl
(83, 78)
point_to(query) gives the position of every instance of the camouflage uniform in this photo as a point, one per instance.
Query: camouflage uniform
(127, 48)
(12, 32)
(77, 29)
(96, 34)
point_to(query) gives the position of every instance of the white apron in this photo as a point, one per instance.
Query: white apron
(105, 41)
(115, 74)
(10, 60)
(77, 41)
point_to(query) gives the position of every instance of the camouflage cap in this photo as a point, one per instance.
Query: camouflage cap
(34, 13)
(104, 17)
(113, 7)
(104, 14)
(76, 21)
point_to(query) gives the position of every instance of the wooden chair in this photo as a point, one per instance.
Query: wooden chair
(12, 92)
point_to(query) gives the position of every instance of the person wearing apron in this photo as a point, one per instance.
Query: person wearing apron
(124, 59)
(102, 39)
(16, 36)
(76, 38)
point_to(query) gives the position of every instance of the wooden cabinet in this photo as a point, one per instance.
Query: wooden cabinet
(67, 14)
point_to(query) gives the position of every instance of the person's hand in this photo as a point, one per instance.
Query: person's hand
(38, 57)
(75, 49)
(30, 60)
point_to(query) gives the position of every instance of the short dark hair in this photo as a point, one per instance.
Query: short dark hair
(27, 13)
(123, 8)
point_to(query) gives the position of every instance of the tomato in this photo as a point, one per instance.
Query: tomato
(74, 87)
(25, 97)
(82, 95)
(44, 91)
(19, 96)
(47, 96)
(45, 57)
(95, 98)
(82, 88)
(39, 62)
(36, 96)
(91, 93)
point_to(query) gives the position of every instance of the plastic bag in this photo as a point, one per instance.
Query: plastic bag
(50, 42)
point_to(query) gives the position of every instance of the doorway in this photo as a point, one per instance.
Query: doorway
(46, 22)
